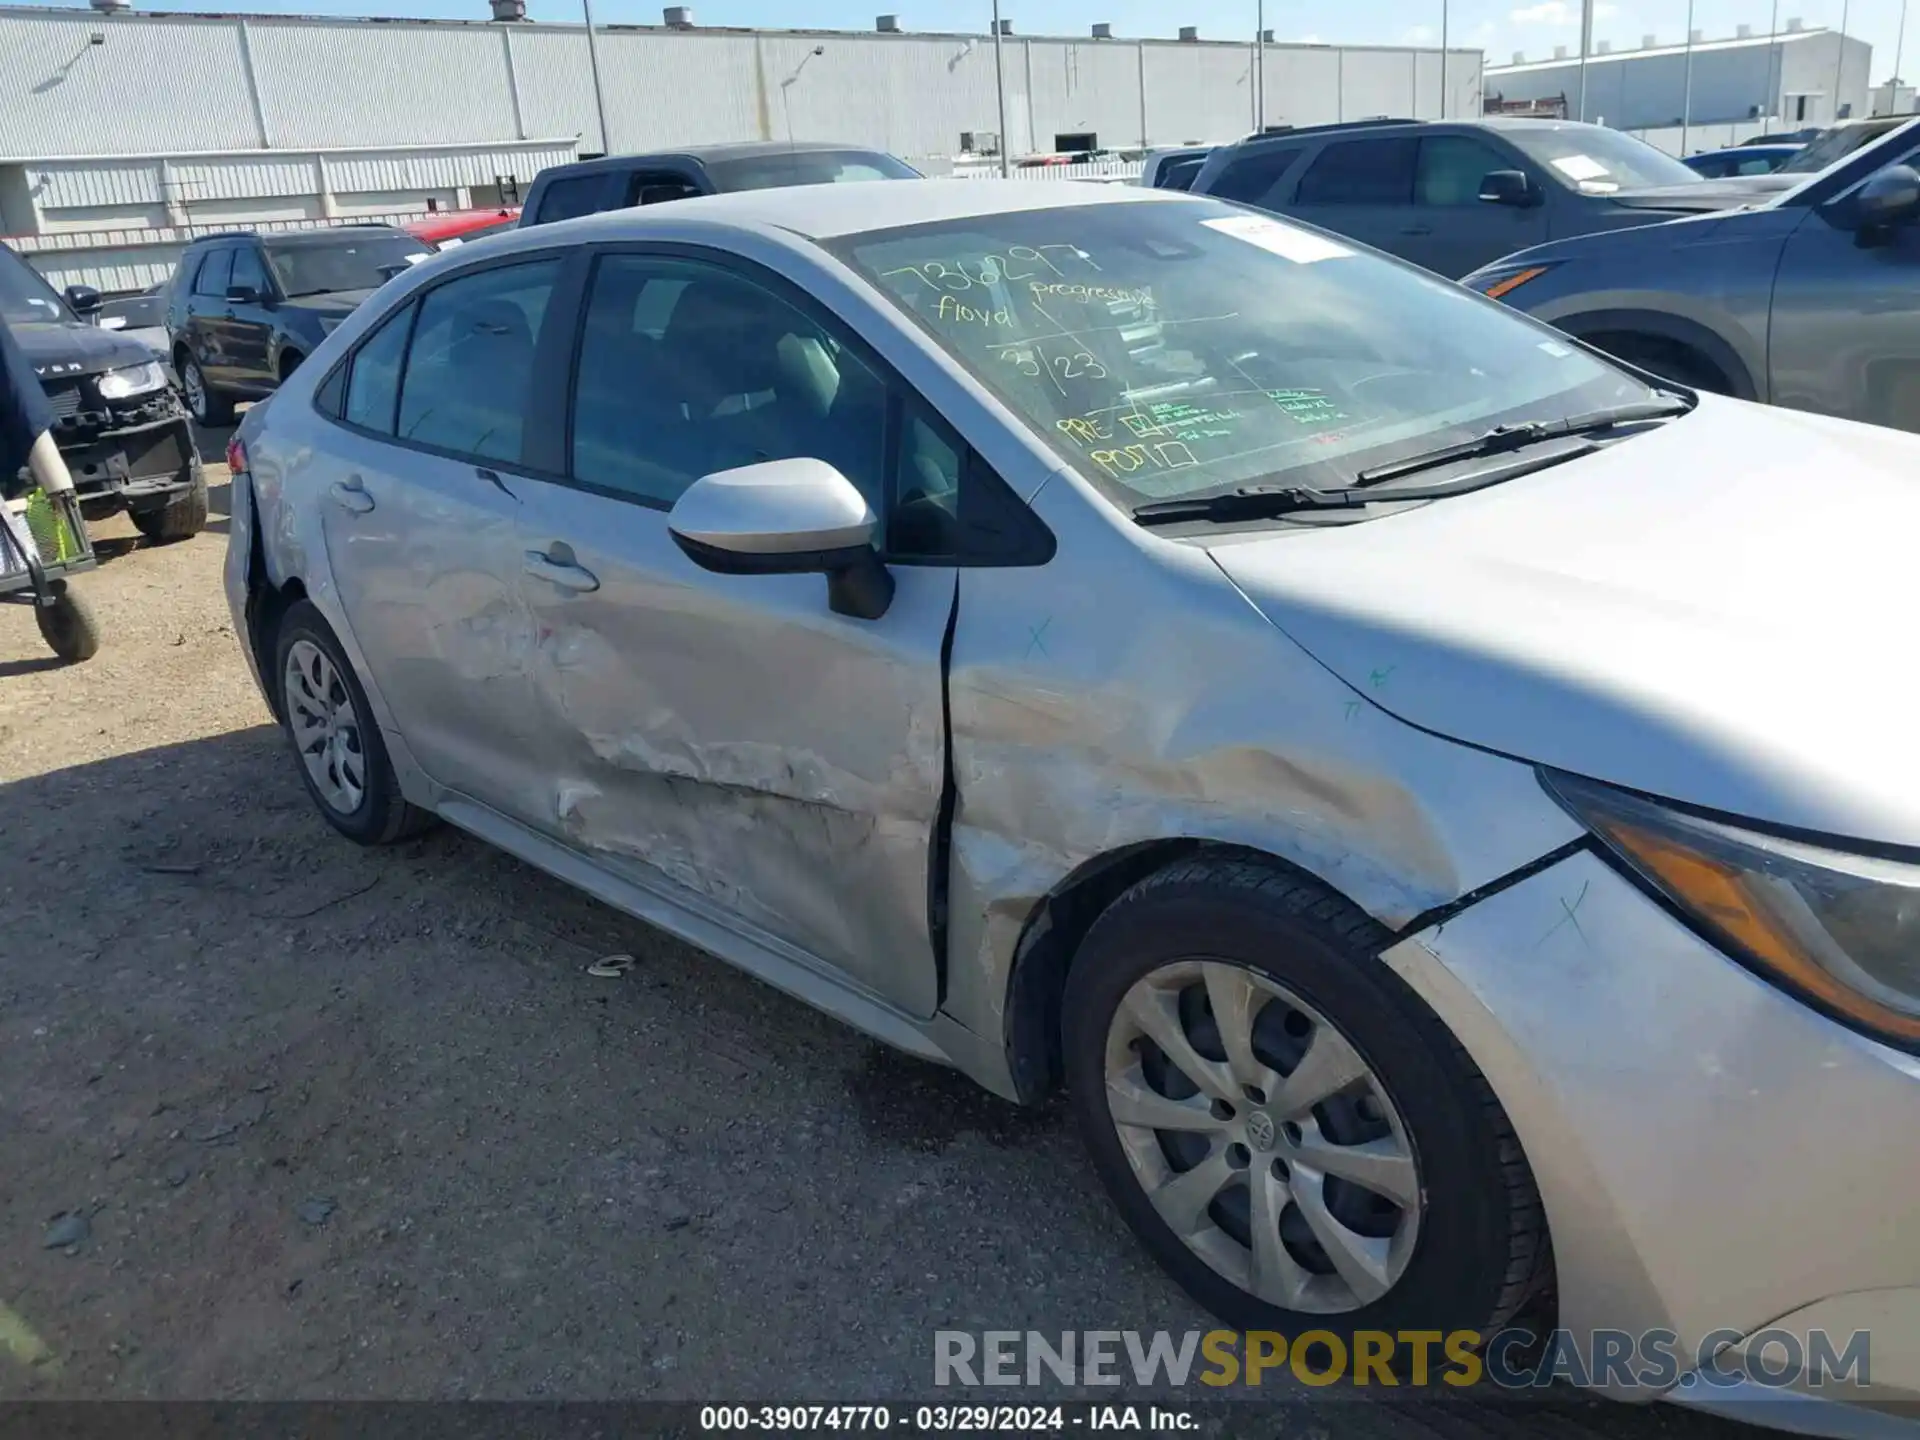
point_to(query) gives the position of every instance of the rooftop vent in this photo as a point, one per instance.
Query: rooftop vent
(111, 7)
(1006, 27)
(1795, 24)
(679, 17)
(1649, 41)
(1189, 33)
(1103, 31)
(887, 24)
(1266, 37)
(1696, 37)
(1743, 32)
(1603, 47)
(509, 9)
(1519, 57)
(1559, 52)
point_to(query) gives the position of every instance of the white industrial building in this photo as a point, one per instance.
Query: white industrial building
(1796, 78)
(131, 120)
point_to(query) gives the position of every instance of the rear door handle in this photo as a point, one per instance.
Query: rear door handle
(350, 494)
(563, 573)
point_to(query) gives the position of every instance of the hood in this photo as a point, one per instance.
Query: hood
(1707, 612)
(1692, 199)
(58, 350)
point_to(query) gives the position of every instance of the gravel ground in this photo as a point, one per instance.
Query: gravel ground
(325, 1123)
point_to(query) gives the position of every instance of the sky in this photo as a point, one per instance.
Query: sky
(1499, 27)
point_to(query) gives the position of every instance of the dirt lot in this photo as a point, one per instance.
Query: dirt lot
(347, 1124)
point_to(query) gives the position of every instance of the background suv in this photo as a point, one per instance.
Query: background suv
(244, 309)
(617, 182)
(1804, 300)
(1453, 195)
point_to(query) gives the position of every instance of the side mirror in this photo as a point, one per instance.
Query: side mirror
(1508, 187)
(242, 295)
(1890, 197)
(786, 517)
(84, 299)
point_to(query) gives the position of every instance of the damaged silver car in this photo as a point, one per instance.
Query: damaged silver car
(1397, 768)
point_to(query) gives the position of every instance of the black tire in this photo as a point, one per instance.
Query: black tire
(1669, 360)
(1481, 1249)
(289, 362)
(182, 517)
(383, 814)
(212, 407)
(68, 625)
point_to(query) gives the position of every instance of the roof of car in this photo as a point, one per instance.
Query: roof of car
(737, 150)
(305, 237)
(821, 212)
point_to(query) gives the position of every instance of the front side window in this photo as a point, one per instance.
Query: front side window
(344, 261)
(1187, 347)
(468, 383)
(1361, 172)
(686, 369)
(216, 274)
(1598, 161)
(373, 382)
(1452, 167)
(807, 167)
(248, 271)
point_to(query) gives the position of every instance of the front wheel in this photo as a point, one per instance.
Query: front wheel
(343, 757)
(209, 407)
(1286, 1127)
(183, 515)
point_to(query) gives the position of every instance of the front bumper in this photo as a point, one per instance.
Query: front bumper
(137, 455)
(1712, 1154)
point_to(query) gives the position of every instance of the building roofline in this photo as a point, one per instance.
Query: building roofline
(1736, 42)
(294, 152)
(677, 32)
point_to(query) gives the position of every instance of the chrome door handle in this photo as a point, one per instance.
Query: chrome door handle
(351, 495)
(576, 578)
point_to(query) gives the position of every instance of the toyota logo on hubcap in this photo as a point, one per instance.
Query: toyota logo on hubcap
(1260, 1130)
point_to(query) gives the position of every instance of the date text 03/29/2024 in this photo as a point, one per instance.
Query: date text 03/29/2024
(937, 1419)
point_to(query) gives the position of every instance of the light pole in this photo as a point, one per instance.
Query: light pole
(1000, 90)
(1260, 66)
(593, 63)
(1686, 102)
(786, 85)
(1899, 44)
(1443, 59)
(1772, 97)
(1586, 47)
(1839, 61)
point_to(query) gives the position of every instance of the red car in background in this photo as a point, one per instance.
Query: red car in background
(454, 227)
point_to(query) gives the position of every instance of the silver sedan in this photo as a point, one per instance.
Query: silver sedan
(1407, 776)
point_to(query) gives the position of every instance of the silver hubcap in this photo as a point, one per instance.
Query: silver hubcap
(326, 729)
(1262, 1138)
(196, 389)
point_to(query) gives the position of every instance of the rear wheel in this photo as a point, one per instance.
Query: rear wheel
(1286, 1127)
(184, 515)
(343, 758)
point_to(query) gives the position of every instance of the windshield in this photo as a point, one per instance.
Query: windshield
(25, 298)
(1836, 144)
(343, 262)
(807, 167)
(1188, 347)
(1600, 161)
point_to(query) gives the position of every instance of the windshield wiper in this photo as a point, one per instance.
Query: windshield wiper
(1504, 438)
(1269, 502)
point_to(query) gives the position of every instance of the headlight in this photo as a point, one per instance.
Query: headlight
(1841, 929)
(131, 380)
(330, 323)
(1499, 281)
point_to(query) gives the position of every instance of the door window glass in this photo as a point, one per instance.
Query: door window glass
(687, 369)
(215, 274)
(1452, 167)
(1361, 172)
(564, 199)
(373, 384)
(469, 371)
(654, 187)
(248, 271)
(1253, 178)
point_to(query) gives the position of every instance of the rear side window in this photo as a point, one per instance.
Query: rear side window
(1361, 172)
(1179, 174)
(656, 187)
(565, 199)
(1253, 178)
(215, 274)
(373, 384)
(469, 370)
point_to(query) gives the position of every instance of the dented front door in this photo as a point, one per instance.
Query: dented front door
(779, 764)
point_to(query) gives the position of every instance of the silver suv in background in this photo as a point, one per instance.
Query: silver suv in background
(1453, 195)
(1806, 299)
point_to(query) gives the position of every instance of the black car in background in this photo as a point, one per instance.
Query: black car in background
(117, 419)
(244, 308)
(617, 182)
